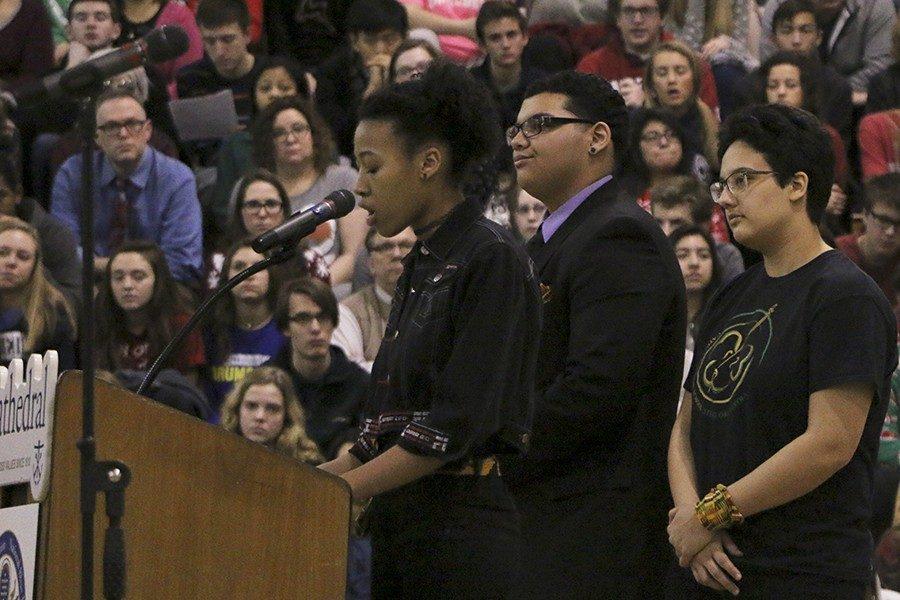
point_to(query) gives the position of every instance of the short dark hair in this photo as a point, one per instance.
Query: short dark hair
(883, 189)
(317, 290)
(373, 16)
(589, 97)
(808, 81)
(792, 141)
(219, 13)
(294, 69)
(113, 9)
(684, 189)
(264, 144)
(446, 104)
(790, 9)
(494, 10)
(615, 7)
(115, 93)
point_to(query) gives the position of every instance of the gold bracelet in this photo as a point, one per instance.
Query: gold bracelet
(717, 509)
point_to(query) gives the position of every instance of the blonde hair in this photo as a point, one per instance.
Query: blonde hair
(707, 117)
(40, 298)
(292, 440)
(718, 17)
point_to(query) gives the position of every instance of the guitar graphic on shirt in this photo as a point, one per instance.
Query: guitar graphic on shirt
(721, 378)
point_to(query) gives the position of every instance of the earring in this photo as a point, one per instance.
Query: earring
(592, 151)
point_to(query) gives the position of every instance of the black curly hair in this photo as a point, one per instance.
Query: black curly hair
(445, 105)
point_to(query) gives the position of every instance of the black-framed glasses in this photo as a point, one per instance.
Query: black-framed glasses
(884, 221)
(533, 126)
(654, 137)
(132, 126)
(271, 205)
(305, 318)
(298, 129)
(737, 183)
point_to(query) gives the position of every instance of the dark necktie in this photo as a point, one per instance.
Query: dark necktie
(118, 231)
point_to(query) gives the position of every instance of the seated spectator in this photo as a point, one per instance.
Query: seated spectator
(308, 32)
(254, 8)
(375, 29)
(241, 333)
(671, 82)
(502, 35)
(682, 201)
(227, 63)
(877, 250)
(659, 151)
(879, 143)
(281, 78)
(139, 309)
(34, 315)
(363, 315)
(637, 31)
(261, 205)
(856, 38)
(140, 17)
(527, 214)
(795, 29)
(139, 193)
(411, 58)
(26, 44)
(701, 270)
(452, 20)
(789, 79)
(884, 87)
(330, 387)
(264, 408)
(719, 31)
(58, 246)
(291, 140)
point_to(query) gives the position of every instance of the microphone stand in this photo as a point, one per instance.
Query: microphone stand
(278, 255)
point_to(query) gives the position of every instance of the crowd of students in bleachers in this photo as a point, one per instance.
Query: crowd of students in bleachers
(174, 217)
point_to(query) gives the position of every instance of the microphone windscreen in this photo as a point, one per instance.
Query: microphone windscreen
(166, 43)
(344, 202)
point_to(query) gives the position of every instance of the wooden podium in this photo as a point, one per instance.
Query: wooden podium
(207, 514)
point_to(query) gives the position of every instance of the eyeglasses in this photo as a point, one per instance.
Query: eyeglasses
(533, 126)
(270, 205)
(884, 221)
(298, 129)
(654, 137)
(404, 248)
(737, 183)
(306, 318)
(630, 12)
(132, 126)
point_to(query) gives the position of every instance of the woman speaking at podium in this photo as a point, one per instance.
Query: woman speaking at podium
(452, 384)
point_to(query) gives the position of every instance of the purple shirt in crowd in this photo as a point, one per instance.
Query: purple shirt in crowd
(555, 219)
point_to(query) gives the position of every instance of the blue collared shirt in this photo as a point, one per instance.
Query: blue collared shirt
(555, 219)
(164, 208)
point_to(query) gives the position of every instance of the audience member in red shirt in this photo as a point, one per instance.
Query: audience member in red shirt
(637, 31)
(877, 250)
(879, 143)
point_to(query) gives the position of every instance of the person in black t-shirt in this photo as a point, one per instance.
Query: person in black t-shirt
(788, 388)
(226, 63)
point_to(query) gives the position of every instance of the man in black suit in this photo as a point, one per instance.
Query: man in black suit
(592, 489)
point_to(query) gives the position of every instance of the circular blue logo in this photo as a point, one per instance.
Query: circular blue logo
(12, 569)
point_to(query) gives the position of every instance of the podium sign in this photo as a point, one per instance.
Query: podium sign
(26, 420)
(18, 550)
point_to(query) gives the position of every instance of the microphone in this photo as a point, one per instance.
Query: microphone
(304, 222)
(159, 45)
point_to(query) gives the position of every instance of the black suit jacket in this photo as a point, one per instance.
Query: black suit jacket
(592, 489)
